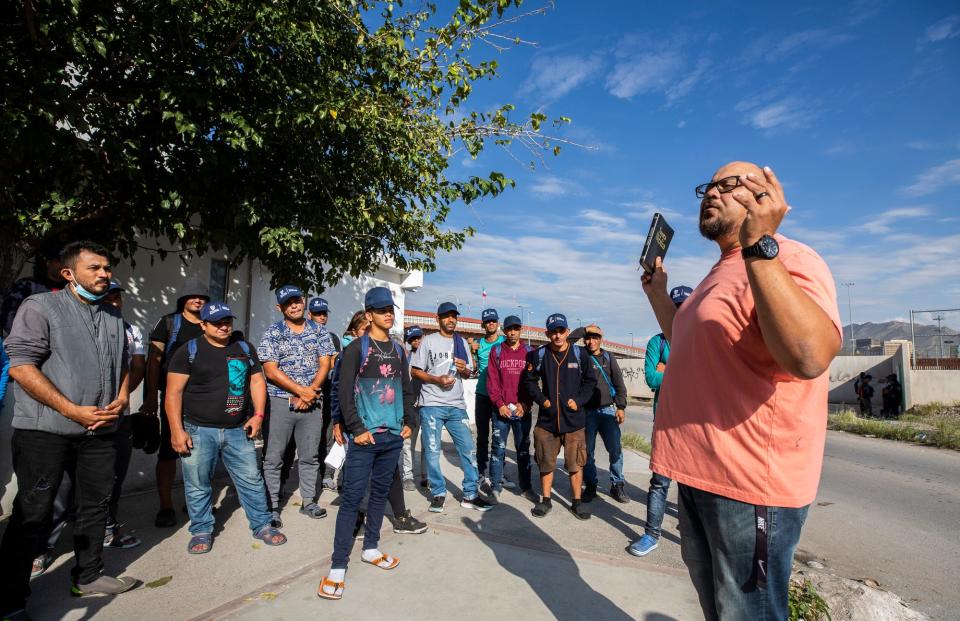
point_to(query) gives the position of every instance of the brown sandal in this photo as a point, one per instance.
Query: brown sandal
(336, 586)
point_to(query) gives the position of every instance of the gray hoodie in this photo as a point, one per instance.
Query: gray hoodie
(81, 348)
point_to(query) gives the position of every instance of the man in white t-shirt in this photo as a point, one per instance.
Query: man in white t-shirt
(441, 363)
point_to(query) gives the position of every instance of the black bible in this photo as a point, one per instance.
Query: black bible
(658, 240)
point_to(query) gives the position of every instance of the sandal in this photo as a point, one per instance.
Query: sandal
(384, 562)
(336, 589)
(268, 534)
(203, 540)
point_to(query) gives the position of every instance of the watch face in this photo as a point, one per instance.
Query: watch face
(768, 247)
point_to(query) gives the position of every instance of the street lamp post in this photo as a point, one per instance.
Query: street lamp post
(853, 338)
(529, 319)
(631, 339)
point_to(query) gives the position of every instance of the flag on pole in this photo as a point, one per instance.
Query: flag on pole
(484, 294)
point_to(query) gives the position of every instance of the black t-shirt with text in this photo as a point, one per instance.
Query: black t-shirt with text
(218, 389)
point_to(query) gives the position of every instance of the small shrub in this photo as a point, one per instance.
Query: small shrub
(636, 441)
(806, 604)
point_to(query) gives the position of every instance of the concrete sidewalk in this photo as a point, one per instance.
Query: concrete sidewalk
(467, 564)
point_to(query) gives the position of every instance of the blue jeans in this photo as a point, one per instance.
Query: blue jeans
(375, 464)
(718, 543)
(432, 421)
(240, 459)
(604, 422)
(521, 441)
(656, 503)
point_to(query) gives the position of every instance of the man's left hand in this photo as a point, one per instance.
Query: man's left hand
(571, 405)
(620, 416)
(765, 213)
(405, 432)
(252, 426)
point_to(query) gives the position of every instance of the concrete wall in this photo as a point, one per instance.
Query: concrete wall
(633, 378)
(152, 291)
(933, 386)
(844, 371)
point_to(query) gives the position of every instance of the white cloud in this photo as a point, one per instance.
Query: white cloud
(775, 46)
(695, 77)
(882, 222)
(935, 179)
(790, 112)
(595, 216)
(642, 73)
(552, 77)
(946, 28)
(550, 186)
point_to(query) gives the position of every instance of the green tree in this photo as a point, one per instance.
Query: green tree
(297, 133)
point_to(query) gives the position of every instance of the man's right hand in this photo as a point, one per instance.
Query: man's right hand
(505, 412)
(181, 442)
(446, 381)
(307, 394)
(338, 433)
(655, 281)
(546, 404)
(364, 438)
(661, 367)
(90, 416)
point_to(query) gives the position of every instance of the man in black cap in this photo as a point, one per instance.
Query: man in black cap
(483, 410)
(560, 378)
(295, 353)
(170, 333)
(319, 311)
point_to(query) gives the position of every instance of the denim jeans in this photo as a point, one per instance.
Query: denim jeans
(432, 421)
(604, 422)
(306, 428)
(521, 442)
(656, 503)
(39, 461)
(406, 458)
(718, 541)
(483, 413)
(375, 464)
(240, 459)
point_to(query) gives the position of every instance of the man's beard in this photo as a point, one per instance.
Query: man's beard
(715, 228)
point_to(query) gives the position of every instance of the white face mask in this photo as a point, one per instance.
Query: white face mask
(83, 293)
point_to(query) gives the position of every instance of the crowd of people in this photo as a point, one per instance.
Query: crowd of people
(738, 373)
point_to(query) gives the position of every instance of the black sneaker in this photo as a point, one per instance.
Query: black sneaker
(619, 494)
(358, 527)
(478, 503)
(165, 518)
(576, 508)
(424, 483)
(436, 505)
(589, 493)
(542, 508)
(406, 524)
(532, 496)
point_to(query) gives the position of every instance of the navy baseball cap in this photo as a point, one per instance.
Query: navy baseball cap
(489, 314)
(447, 307)
(413, 332)
(512, 321)
(680, 294)
(215, 311)
(319, 305)
(115, 286)
(556, 321)
(286, 292)
(378, 297)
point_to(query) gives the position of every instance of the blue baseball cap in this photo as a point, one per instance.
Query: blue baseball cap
(680, 294)
(286, 292)
(489, 314)
(556, 321)
(412, 332)
(378, 297)
(447, 307)
(215, 311)
(512, 321)
(115, 286)
(319, 305)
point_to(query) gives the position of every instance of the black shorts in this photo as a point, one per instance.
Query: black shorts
(165, 452)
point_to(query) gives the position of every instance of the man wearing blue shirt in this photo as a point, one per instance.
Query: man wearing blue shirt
(658, 351)
(295, 354)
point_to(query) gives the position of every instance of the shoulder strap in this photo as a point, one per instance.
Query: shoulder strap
(613, 391)
(541, 351)
(174, 330)
(191, 351)
(246, 350)
(663, 346)
(364, 350)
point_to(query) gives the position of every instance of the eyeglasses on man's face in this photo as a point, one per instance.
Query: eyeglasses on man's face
(727, 184)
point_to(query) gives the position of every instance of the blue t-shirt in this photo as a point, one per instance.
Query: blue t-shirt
(297, 355)
(483, 356)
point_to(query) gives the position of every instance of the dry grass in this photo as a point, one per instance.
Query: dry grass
(935, 424)
(635, 441)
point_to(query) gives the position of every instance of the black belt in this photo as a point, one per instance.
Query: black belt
(758, 577)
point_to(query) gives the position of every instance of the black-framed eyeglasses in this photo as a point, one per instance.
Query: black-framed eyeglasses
(727, 184)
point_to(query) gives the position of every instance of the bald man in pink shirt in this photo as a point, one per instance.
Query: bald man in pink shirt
(742, 416)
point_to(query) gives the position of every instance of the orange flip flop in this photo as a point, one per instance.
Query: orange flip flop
(384, 562)
(336, 586)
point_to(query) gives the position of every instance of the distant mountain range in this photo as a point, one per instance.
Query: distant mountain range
(927, 336)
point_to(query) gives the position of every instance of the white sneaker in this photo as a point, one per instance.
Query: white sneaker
(485, 486)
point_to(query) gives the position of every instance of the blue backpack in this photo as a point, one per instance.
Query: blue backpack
(335, 376)
(173, 330)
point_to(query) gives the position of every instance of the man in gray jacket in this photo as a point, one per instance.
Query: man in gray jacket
(68, 358)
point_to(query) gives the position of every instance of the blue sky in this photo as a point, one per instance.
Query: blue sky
(855, 106)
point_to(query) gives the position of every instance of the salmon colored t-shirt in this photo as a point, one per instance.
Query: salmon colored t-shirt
(730, 420)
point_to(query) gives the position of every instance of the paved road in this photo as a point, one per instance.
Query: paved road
(885, 510)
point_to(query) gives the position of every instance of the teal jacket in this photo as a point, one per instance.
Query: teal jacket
(658, 350)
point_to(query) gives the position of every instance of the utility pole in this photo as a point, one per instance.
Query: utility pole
(631, 339)
(853, 338)
(940, 318)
